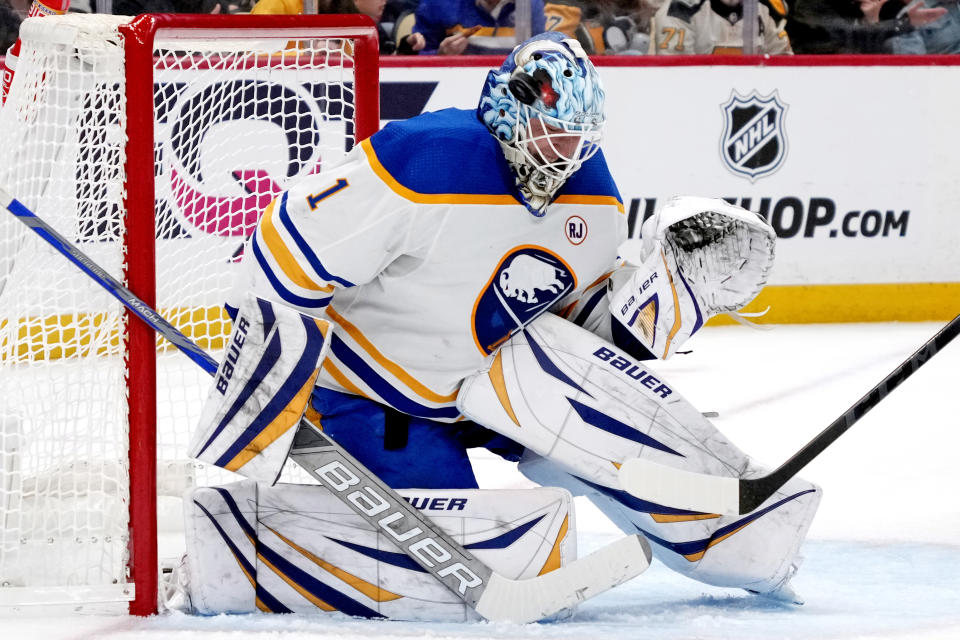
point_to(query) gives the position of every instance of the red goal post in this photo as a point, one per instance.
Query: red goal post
(152, 142)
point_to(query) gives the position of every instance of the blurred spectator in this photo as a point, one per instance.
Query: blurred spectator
(9, 25)
(619, 27)
(627, 25)
(394, 9)
(716, 27)
(942, 36)
(854, 26)
(294, 7)
(578, 20)
(454, 27)
(566, 16)
(390, 40)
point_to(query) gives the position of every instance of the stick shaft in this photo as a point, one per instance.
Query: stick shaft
(753, 490)
(113, 286)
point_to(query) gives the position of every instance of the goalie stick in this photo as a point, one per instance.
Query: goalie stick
(490, 594)
(677, 488)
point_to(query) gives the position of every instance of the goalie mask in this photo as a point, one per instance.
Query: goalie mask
(545, 107)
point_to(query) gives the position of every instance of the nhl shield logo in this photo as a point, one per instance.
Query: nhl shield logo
(753, 142)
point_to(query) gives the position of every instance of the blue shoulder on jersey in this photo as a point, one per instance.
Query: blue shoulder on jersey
(450, 151)
(593, 179)
(447, 151)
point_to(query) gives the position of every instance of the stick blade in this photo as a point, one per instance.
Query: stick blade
(522, 601)
(680, 489)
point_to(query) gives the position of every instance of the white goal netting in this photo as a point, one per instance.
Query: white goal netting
(238, 114)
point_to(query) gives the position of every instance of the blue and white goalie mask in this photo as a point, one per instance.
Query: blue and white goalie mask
(545, 107)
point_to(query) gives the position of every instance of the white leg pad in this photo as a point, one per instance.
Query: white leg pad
(578, 401)
(573, 397)
(759, 551)
(298, 548)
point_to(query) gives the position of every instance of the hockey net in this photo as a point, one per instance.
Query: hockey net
(153, 144)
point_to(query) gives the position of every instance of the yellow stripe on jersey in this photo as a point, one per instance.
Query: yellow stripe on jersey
(398, 372)
(481, 31)
(577, 199)
(342, 379)
(287, 262)
(431, 198)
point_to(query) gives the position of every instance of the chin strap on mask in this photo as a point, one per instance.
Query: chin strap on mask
(537, 189)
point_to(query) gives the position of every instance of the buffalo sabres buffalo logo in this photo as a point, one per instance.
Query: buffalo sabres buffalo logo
(526, 283)
(228, 148)
(753, 142)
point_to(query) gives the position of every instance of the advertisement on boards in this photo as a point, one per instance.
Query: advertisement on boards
(853, 166)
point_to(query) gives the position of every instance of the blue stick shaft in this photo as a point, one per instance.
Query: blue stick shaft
(113, 286)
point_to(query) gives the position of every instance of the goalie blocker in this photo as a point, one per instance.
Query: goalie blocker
(582, 408)
(295, 548)
(261, 389)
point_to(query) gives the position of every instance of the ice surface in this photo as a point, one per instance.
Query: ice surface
(882, 559)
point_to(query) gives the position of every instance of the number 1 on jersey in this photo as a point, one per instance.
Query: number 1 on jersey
(315, 199)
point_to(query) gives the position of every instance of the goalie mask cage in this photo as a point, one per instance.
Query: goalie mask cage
(152, 143)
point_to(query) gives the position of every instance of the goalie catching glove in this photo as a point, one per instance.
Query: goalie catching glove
(701, 257)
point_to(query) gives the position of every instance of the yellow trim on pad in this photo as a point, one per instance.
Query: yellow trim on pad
(500, 386)
(553, 561)
(287, 418)
(372, 591)
(314, 600)
(664, 517)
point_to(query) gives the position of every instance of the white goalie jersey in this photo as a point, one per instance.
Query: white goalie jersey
(423, 217)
